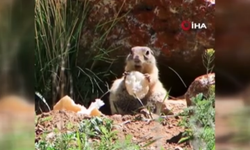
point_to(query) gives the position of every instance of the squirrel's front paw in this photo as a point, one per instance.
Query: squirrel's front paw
(147, 76)
(126, 73)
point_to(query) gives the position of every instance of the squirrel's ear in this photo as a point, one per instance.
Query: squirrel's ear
(132, 50)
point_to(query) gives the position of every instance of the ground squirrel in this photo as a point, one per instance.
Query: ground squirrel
(140, 59)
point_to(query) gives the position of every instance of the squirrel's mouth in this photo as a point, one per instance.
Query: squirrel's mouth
(137, 66)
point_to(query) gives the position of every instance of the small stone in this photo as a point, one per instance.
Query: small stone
(178, 148)
(50, 136)
(200, 85)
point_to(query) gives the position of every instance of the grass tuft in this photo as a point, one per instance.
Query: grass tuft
(62, 65)
(200, 126)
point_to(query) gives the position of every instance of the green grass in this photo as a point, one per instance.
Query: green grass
(199, 119)
(94, 133)
(200, 126)
(62, 64)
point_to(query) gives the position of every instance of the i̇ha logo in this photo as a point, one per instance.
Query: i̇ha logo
(187, 25)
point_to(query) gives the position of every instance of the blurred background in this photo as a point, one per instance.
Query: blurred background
(232, 75)
(16, 75)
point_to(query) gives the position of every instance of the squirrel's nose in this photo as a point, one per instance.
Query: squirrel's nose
(136, 59)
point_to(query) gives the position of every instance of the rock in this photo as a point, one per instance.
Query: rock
(200, 85)
(156, 24)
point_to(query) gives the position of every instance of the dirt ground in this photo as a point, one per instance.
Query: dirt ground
(166, 133)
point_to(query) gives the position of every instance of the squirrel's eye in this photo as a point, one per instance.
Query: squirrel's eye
(147, 52)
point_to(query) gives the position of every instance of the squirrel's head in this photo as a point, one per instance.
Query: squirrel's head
(140, 56)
